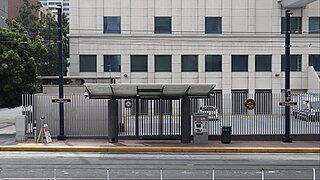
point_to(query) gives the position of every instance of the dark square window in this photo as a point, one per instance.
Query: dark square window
(88, 63)
(162, 63)
(112, 63)
(295, 63)
(239, 63)
(263, 63)
(213, 63)
(112, 24)
(213, 25)
(295, 25)
(162, 25)
(189, 63)
(139, 63)
(314, 25)
(314, 60)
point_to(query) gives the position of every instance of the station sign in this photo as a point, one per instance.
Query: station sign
(60, 100)
(287, 103)
(128, 103)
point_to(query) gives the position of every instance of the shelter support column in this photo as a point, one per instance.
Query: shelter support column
(113, 121)
(185, 121)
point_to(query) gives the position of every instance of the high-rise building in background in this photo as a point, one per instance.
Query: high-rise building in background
(3, 13)
(14, 6)
(52, 5)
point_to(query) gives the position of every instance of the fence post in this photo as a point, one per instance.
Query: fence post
(108, 175)
(314, 173)
(262, 174)
(161, 177)
(212, 174)
(55, 174)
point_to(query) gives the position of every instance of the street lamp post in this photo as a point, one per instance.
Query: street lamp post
(60, 73)
(287, 137)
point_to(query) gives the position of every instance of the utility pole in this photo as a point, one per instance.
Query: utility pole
(61, 136)
(287, 137)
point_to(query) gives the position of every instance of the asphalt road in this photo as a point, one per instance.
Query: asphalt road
(167, 166)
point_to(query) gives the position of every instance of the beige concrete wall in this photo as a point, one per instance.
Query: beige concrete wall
(250, 27)
(313, 81)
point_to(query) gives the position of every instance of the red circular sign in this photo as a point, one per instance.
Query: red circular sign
(250, 104)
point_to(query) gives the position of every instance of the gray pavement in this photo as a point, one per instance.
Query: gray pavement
(7, 125)
(128, 146)
(82, 165)
(7, 120)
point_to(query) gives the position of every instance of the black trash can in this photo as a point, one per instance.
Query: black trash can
(225, 134)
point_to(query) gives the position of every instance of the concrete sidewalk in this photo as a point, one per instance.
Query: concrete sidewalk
(102, 145)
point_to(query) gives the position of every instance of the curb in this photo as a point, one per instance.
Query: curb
(160, 149)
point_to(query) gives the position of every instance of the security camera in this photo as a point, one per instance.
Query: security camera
(86, 94)
(42, 117)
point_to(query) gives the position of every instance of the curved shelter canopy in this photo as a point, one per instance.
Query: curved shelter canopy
(148, 91)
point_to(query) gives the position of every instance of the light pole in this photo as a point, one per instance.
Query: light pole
(60, 73)
(287, 137)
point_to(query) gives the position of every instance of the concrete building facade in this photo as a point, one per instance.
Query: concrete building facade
(236, 44)
(52, 5)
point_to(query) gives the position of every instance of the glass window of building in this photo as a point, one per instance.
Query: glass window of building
(189, 63)
(213, 25)
(139, 63)
(88, 63)
(213, 63)
(263, 63)
(295, 63)
(314, 60)
(162, 25)
(162, 63)
(112, 63)
(239, 63)
(314, 25)
(112, 24)
(295, 25)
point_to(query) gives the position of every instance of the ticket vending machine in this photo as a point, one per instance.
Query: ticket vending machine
(200, 128)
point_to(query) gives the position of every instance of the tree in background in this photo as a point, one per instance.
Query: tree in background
(18, 64)
(66, 51)
(28, 49)
(48, 29)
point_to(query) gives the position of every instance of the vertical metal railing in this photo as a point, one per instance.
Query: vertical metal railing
(87, 117)
(157, 174)
(213, 174)
(55, 174)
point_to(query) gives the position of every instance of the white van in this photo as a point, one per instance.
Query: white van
(211, 111)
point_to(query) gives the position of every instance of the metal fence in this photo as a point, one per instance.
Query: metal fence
(159, 174)
(83, 117)
(89, 117)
